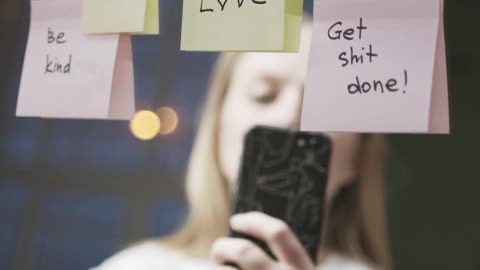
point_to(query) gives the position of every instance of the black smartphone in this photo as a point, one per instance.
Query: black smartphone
(284, 174)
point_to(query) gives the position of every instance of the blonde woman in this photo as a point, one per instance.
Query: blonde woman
(266, 88)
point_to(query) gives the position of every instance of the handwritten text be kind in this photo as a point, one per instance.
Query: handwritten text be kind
(54, 65)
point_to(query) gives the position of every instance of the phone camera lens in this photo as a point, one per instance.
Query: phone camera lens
(301, 142)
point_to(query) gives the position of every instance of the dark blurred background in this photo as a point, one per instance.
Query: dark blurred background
(74, 192)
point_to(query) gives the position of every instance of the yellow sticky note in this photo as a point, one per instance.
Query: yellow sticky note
(120, 16)
(152, 26)
(293, 25)
(241, 25)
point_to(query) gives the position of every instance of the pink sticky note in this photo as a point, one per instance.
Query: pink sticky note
(377, 67)
(67, 74)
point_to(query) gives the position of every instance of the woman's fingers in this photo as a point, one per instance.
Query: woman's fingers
(240, 252)
(276, 233)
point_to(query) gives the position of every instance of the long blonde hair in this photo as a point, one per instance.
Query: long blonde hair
(355, 226)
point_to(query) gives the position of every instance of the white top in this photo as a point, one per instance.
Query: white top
(152, 256)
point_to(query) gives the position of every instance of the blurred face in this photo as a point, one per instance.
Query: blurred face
(267, 89)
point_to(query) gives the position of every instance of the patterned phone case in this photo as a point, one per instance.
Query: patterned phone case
(284, 175)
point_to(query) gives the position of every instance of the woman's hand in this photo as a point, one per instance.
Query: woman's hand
(282, 242)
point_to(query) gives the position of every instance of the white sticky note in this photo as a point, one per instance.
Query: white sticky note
(67, 74)
(377, 67)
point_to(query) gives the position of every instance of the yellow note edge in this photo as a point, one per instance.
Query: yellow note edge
(152, 19)
(241, 25)
(120, 16)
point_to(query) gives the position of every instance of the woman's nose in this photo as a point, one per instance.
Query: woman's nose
(294, 111)
(294, 122)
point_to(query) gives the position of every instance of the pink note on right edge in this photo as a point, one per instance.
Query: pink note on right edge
(377, 67)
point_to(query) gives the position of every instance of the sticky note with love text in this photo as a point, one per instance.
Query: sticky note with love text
(241, 25)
